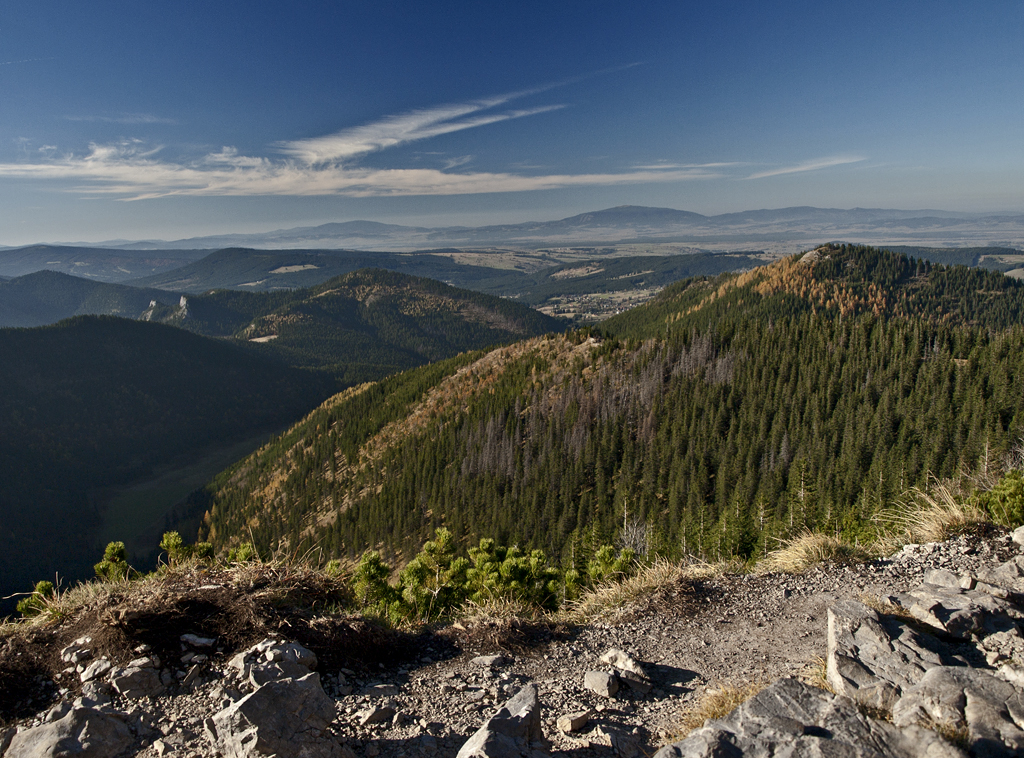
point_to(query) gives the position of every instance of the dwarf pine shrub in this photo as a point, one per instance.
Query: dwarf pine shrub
(34, 604)
(114, 566)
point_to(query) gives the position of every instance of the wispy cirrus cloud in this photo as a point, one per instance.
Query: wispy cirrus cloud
(813, 165)
(407, 127)
(327, 165)
(667, 166)
(133, 172)
(124, 118)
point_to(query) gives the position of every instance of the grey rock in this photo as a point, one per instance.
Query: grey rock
(95, 670)
(6, 735)
(623, 745)
(1008, 575)
(134, 683)
(573, 722)
(514, 730)
(262, 673)
(291, 652)
(794, 719)
(623, 662)
(1018, 535)
(77, 651)
(149, 662)
(941, 578)
(629, 670)
(601, 683)
(98, 692)
(84, 732)
(285, 718)
(990, 707)
(871, 659)
(957, 612)
(490, 661)
(375, 715)
(194, 640)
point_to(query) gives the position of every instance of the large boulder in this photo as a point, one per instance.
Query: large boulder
(794, 719)
(514, 731)
(287, 718)
(83, 732)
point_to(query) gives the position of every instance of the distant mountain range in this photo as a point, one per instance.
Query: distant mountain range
(630, 223)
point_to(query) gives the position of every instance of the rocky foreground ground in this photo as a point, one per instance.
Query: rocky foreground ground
(125, 680)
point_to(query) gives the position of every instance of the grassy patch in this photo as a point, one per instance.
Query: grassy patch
(715, 704)
(942, 511)
(611, 600)
(808, 549)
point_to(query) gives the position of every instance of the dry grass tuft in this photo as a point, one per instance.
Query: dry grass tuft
(933, 515)
(886, 607)
(715, 704)
(808, 549)
(612, 600)
(955, 732)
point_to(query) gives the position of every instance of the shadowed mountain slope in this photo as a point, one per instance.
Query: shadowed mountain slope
(47, 297)
(98, 401)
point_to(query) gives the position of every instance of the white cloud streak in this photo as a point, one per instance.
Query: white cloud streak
(404, 128)
(124, 118)
(128, 171)
(815, 165)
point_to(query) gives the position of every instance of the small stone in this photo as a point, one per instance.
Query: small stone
(95, 670)
(197, 641)
(601, 683)
(375, 715)
(573, 722)
(380, 690)
(490, 661)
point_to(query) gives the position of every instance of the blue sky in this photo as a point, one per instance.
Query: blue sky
(172, 119)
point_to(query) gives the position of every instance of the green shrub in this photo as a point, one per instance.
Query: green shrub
(607, 565)
(508, 573)
(434, 582)
(373, 592)
(244, 553)
(1004, 503)
(34, 604)
(177, 551)
(114, 566)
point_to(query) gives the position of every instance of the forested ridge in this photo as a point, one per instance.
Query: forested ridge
(363, 325)
(726, 414)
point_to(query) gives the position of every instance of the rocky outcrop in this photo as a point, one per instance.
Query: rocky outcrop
(793, 718)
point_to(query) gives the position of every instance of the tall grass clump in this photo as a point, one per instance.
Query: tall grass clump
(935, 514)
(807, 549)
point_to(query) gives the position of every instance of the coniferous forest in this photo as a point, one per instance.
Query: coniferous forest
(729, 413)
